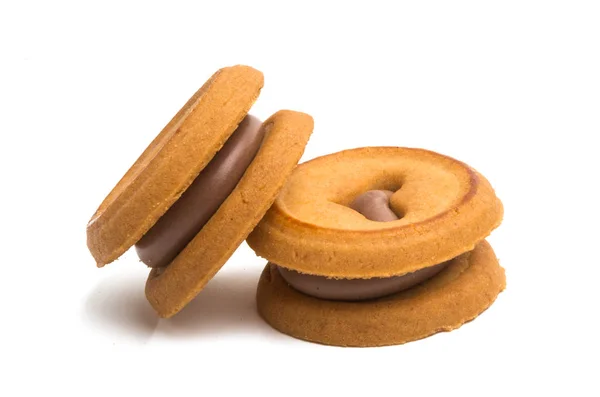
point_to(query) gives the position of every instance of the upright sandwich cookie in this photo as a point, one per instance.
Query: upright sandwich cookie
(200, 187)
(378, 246)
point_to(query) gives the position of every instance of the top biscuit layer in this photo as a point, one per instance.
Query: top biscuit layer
(172, 161)
(445, 208)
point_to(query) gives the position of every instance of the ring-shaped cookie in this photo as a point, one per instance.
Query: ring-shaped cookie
(445, 209)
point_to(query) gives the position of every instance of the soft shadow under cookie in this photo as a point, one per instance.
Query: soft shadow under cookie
(118, 306)
(226, 305)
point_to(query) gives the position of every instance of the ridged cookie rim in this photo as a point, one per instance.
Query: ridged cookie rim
(295, 244)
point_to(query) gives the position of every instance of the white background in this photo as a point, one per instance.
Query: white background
(510, 87)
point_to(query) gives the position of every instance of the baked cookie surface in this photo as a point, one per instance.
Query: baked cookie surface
(171, 162)
(199, 188)
(464, 289)
(171, 288)
(445, 208)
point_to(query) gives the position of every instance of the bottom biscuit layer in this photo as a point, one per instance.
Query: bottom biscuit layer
(468, 286)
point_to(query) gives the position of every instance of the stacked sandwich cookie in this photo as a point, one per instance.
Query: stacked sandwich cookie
(365, 247)
(201, 186)
(378, 246)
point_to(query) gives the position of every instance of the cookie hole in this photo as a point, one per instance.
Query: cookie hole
(375, 205)
(391, 186)
(346, 197)
(400, 212)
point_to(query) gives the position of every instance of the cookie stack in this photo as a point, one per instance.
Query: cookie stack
(366, 247)
(378, 246)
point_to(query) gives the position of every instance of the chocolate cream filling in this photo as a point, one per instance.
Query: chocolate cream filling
(374, 205)
(186, 217)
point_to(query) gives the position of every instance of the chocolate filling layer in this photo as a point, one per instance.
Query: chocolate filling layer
(374, 205)
(186, 217)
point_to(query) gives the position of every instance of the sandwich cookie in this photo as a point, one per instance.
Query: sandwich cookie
(378, 246)
(201, 186)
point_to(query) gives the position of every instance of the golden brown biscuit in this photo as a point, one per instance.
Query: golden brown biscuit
(446, 207)
(171, 162)
(464, 289)
(191, 163)
(378, 246)
(287, 134)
